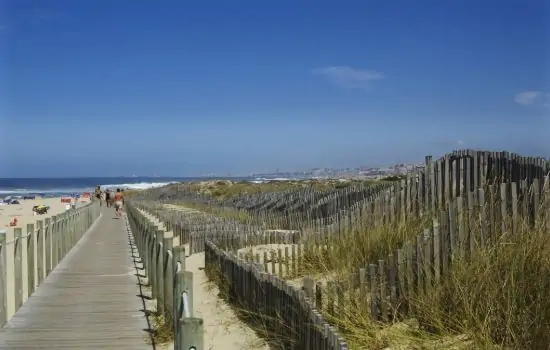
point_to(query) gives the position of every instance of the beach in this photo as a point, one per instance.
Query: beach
(48, 191)
(24, 214)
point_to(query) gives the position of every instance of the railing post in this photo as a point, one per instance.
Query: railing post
(159, 281)
(153, 262)
(44, 249)
(178, 307)
(60, 229)
(78, 226)
(188, 288)
(63, 234)
(147, 251)
(191, 333)
(53, 242)
(168, 277)
(33, 258)
(25, 263)
(143, 234)
(8, 253)
(18, 267)
(3, 316)
(178, 256)
(71, 231)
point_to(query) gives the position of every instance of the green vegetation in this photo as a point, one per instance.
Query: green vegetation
(162, 330)
(224, 189)
(499, 299)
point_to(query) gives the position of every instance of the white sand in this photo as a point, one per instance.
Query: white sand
(223, 330)
(24, 214)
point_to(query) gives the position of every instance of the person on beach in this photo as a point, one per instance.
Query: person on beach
(103, 198)
(119, 201)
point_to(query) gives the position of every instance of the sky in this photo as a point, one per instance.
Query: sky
(186, 88)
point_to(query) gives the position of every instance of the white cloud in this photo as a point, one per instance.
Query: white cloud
(451, 143)
(529, 98)
(349, 77)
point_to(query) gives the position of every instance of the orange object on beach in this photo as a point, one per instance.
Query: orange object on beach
(66, 199)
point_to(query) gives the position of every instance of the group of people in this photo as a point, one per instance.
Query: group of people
(108, 198)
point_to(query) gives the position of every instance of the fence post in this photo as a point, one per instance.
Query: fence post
(168, 277)
(159, 275)
(178, 255)
(33, 257)
(191, 333)
(53, 242)
(71, 232)
(64, 234)
(44, 250)
(18, 267)
(8, 253)
(178, 291)
(152, 260)
(25, 263)
(60, 237)
(148, 241)
(2, 278)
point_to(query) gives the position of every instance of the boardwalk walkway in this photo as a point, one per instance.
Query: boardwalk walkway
(90, 301)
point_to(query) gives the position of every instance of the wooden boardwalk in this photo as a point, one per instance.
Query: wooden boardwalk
(90, 301)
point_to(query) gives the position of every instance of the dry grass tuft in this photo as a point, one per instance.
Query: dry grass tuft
(500, 298)
(163, 332)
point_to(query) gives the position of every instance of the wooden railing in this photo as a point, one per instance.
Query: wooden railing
(171, 284)
(28, 256)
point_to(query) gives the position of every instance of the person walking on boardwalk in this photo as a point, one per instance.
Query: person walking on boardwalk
(108, 198)
(98, 194)
(119, 201)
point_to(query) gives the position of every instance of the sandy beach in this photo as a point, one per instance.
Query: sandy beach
(24, 214)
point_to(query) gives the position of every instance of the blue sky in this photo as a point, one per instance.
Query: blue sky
(189, 87)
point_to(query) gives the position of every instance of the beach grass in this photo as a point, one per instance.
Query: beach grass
(498, 299)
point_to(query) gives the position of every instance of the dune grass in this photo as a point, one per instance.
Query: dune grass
(498, 299)
(224, 189)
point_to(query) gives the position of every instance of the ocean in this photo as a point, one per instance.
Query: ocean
(55, 187)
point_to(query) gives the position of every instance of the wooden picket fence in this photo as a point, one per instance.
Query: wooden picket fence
(424, 191)
(470, 198)
(274, 303)
(288, 313)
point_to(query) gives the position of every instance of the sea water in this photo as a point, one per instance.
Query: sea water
(56, 187)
